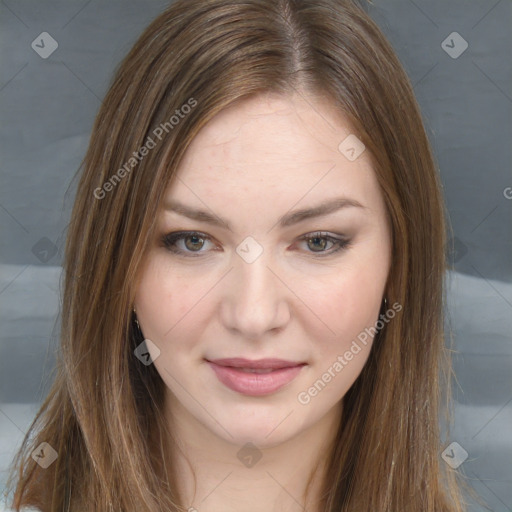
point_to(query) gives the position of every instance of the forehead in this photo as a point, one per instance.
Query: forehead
(271, 128)
(283, 147)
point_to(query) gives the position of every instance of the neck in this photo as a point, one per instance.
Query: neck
(218, 475)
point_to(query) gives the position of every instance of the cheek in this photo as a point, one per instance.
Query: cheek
(163, 300)
(345, 303)
(350, 309)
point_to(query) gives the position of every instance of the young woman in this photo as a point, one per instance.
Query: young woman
(252, 312)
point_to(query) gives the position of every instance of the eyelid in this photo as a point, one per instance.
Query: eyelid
(175, 236)
(339, 240)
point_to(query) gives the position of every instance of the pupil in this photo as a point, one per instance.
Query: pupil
(316, 240)
(195, 240)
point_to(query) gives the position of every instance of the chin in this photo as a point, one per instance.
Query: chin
(257, 436)
(264, 430)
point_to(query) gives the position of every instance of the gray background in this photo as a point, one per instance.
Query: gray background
(48, 106)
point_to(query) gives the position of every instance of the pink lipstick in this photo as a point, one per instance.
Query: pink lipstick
(255, 378)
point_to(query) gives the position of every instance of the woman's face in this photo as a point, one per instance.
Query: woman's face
(261, 276)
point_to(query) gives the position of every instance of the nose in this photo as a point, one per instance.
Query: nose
(256, 300)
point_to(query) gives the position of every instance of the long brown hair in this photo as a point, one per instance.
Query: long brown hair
(103, 415)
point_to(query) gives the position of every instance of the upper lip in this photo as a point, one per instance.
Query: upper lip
(239, 362)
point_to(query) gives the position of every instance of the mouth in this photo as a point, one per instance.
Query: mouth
(255, 378)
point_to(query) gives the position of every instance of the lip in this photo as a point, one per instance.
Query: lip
(231, 373)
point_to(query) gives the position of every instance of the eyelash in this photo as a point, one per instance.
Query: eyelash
(169, 242)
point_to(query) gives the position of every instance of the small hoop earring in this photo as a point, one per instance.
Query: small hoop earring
(385, 303)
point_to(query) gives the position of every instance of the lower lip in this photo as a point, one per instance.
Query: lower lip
(255, 384)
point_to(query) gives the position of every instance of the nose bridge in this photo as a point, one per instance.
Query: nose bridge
(256, 303)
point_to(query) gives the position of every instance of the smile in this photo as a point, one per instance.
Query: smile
(255, 378)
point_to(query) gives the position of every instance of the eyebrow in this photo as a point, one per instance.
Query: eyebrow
(289, 219)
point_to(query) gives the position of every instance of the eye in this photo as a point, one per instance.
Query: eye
(319, 240)
(193, 242)
(190, 243)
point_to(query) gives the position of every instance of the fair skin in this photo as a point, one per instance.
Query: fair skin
(298, 300)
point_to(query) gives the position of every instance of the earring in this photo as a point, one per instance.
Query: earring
(136, 321)
(382, 315)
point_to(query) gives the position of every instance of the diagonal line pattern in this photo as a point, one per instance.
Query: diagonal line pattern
(301, 300)
(487, 423)
(321, 178)
(425, 75)
(11, 79)
(313, 108)
(213, 213)
(82, 82)
(286, 491)
(305, 194)
(425, 14)
(498, 2)
(217, 486)
(485, 218)
(492, 81)
(280, 423)
(199, 403)
(75, 15)
(14, 279)
(493, 287)
(483, 483)
(14, 218)
(204, 295)
(12, 421)
(14, 14)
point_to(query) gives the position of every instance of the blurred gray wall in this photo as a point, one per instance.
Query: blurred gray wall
(458, 56)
